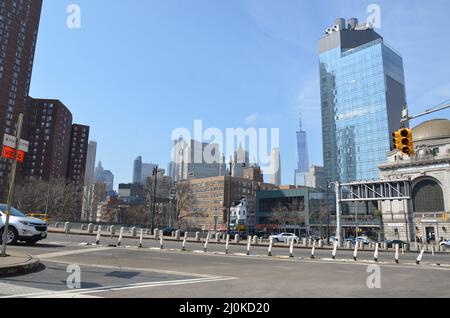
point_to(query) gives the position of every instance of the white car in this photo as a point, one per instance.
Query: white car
(21, 227)
(284, 237)
(445, 243)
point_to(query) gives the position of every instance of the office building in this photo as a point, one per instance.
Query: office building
(275, 160)
(90, 164)
(362, 96)
(78, 154)
(315, 178)
(241, 160)
(104, 176)
(196, 160)
(137, 170)
(19, 24)
(303, 157)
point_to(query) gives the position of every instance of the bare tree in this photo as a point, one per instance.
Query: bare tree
(62, 200)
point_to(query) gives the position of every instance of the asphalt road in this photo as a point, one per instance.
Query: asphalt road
(127, 271)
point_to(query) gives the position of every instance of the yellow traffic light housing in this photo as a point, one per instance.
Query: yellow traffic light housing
(403, 141)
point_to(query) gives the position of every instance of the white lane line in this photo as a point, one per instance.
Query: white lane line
(134, 269)
(66, 253)
(122, 287)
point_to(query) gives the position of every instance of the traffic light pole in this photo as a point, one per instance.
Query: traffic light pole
(155, 173)
(11, 185)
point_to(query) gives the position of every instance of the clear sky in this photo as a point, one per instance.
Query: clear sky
(137, 69)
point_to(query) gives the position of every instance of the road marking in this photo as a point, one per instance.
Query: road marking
(135, 269)
(66, 253)
(122, 287)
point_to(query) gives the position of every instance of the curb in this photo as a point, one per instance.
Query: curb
(20, 269)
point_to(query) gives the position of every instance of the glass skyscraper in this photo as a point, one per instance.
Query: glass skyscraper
(363, 94)
(303, 158)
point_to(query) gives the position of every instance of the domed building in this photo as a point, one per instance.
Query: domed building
(425, 216)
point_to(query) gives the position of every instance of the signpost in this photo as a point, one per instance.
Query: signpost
(10, 145)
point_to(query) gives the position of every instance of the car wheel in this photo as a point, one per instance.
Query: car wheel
(12, 236)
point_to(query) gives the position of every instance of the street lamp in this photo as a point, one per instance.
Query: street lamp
(172, 198)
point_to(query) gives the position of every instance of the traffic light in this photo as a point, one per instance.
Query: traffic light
(403, 141)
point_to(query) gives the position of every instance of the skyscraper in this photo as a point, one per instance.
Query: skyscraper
(275, 159)
(303, 157)
(90, 164)
(76, 166)
(137, 170)
(19, 24)
(147, 172)
(103, 176)
(196, 160)
(363, 93)
(241, 161)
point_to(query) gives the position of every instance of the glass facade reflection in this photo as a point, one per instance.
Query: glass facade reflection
(363, 94)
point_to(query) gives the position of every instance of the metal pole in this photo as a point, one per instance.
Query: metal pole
(328, 215)
(229, 198)
(155, 171)
(11, 185)
(338, 214)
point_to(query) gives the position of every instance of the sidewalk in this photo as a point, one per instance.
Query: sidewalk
(17, 263)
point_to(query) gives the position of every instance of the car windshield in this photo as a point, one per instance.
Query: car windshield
(14, 212)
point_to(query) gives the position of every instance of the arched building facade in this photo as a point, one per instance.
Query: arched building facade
(426, 216)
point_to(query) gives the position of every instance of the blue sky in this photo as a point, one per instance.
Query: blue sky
(138, 69)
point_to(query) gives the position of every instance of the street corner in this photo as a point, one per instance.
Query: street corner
(18, 264)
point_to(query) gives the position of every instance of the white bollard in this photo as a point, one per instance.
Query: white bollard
(334, 253)
(227, 243)
(269, 252)
(112, 230)
(119, 241)
(249, 245)
(255, 240)
(397, 249)
(90, 228)
(183, 247)
(177, 235)
(197, 236)
(67, 227)
(375, 255)
(313, 251)
(321, 243)
(161, 240)
(355, 253)
(419, 258)
(305, 242)
(291, 248)
(56, 225)
(218, 237)
(156, 233)
(433, 250)
(236, 238)
(99, 230)
(205, 248)
(141, 238)
(133, 232)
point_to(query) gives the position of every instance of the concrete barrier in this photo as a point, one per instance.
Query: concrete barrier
(218, 237)
(348, 244)
(133, 232)
(197, 236)
(177, 235)
(90, 228)
(255, 240)
(236, 238)
(83, 227)
(173, 234)
(321, 243)
(112, 230)
(305, 242)
(56, 225)
(156, 233)
(96, 228)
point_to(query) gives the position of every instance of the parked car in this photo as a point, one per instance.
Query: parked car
(445, 243)
(261, 234)
(21, 227)
(168, 231)
(392, 243)
(365, 240)
(283, 237)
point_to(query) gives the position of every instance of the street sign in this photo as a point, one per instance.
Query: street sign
(10, 153)
(10, 141)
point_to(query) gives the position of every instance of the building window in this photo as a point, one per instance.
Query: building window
(428, 197)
